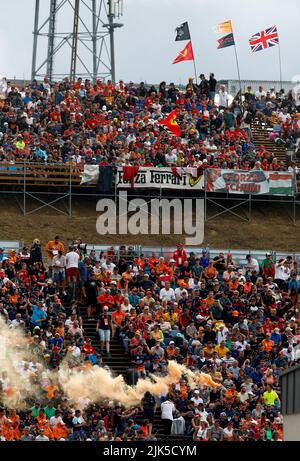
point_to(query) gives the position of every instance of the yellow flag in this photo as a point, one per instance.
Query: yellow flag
(223, 28)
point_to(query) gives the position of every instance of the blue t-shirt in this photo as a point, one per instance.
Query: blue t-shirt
(37, 315)
(56, 342)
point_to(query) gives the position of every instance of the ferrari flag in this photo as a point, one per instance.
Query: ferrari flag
(171, 123)
(186, 54)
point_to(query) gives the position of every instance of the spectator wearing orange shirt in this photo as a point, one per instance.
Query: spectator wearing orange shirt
(267, 343)
(210, 272)
(52, 248)
(153, 260)
(117, 318)
(233, 284)
(170, 350)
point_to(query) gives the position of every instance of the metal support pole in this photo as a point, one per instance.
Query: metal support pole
(35, 37)
(24, 187)
(249, 208)
(294, 210)
(51, 36)
(205, 197)
(111, 37)
(70, 192)
(94, 40)
(74, 42)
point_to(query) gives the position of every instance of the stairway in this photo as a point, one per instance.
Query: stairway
(119, 362)
(260, 135)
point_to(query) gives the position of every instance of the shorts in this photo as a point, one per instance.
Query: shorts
(104, 335)
(72, 272)
(59, 276)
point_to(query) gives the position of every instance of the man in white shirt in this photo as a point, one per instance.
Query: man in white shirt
(72, 260)
(223, 97)
(167, 293)
(78, 421)
(167, 410)
(284, 115)
(251, 264)
(58, 268)
(171, 157)
(282, 273)
(42, 437)
(196, 398)
(222, 333)
(109, 265)
(57, 418)
(17, 322)
(260, 93)
(179, 292)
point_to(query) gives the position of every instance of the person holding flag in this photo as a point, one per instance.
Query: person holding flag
(171, 123)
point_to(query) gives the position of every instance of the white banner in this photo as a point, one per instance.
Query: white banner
(162, 178)
(90, 174)
(255, 182)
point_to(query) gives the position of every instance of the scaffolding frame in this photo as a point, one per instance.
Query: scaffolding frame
(47, 196)
(88, 35)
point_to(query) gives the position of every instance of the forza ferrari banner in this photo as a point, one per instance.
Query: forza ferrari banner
(163, 178)
(256, 182)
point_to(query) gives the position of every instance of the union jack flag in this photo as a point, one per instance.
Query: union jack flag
(264, 39)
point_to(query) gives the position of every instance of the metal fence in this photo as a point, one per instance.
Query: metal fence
(233, 86)
(11, 245)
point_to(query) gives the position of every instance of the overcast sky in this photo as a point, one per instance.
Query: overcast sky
(146, 47)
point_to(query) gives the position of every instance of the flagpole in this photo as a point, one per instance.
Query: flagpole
(238, 71)
(193, 57)
(194, 63)
(280, 66)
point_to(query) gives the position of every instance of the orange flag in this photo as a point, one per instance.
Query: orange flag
(171, 123)
(186, 54)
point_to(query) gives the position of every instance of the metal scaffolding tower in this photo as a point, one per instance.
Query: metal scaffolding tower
(87, 27)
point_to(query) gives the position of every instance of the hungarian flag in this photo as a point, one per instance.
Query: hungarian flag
(171, 123)
(281, 183)
(223, 42)
(182, 32)
(186, 54)
(223, 28)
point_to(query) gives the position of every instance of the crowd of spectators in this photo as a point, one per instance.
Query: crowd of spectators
(239, 323)
(101, 123)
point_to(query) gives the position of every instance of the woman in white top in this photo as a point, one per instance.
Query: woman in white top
(126, 306)
(202, 432)
(228, 431)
